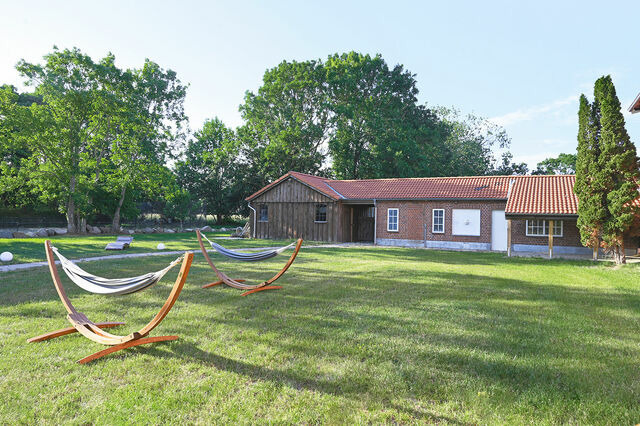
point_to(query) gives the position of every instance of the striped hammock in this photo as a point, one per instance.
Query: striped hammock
(117, 286)
(247, 257)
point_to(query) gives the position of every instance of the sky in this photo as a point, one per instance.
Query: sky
(521, 64)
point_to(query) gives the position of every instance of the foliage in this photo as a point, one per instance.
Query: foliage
(287, 121)
(508, 167)
(210, 170)
(607, 171)
(470, 145)
(563, 164)
(97, 131)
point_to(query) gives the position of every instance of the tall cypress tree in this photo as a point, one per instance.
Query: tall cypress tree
(591, 194)
(618, 168)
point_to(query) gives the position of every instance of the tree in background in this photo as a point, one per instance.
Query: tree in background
(373, 115)
(470, 145)
(97, 132)
(590, 193)
(210, 171)
(60, 132)
(607, 172)
(149, 124)
(178, 205)
(14, 188)
(287, 121)
(618, 168)
(563, 164)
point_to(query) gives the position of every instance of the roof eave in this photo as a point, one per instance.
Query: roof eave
(635, 106)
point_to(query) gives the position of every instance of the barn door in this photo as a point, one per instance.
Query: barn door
(364, 223)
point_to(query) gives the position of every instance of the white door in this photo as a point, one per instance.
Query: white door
(498, 231)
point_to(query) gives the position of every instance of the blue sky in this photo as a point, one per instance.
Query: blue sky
(522, 64)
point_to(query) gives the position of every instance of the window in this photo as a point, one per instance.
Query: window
(321, 213)
(437, 222)
(264, 213)
(392, 220)
(540, 228)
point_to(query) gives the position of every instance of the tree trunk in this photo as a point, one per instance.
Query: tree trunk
(82, 225)
(115, 225)
(71, 207)
(621, 259)
(71, 216)
(219, 218)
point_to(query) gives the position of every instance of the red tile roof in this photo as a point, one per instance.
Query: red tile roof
(528, 195)
(470, 187)
(315, 182)
(543, 195)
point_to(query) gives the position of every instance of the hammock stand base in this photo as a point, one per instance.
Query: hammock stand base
(94, 331)
(220, 282)
(238, 284)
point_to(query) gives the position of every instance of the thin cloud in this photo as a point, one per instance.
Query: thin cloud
(533, 112)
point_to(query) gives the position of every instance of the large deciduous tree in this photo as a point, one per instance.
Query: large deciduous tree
(97, 131)
(61, 131)
(607, 172)
(210, 170)
(287, 121)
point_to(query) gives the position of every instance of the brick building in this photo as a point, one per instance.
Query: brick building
(499, 213)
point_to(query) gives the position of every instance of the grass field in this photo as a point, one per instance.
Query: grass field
(27, 250)
(357, 335)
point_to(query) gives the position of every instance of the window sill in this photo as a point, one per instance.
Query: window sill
(315, 221)
(395, 232)
(543, 236)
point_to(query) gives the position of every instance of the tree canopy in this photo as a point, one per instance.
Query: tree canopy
(607, 172)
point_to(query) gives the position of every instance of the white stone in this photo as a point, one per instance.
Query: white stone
(6, 256)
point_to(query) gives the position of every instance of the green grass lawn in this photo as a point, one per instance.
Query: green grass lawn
(27, 250)
(357, 335)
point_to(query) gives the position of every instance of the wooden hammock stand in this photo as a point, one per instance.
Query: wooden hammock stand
(95, 332)
(224, 279)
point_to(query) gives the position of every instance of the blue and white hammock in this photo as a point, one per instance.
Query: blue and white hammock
(247, 257)
(116, 286)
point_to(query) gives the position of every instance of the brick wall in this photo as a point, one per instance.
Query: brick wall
(570, 234)
(412, 215)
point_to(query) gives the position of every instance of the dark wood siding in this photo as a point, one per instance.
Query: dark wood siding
(292, 207)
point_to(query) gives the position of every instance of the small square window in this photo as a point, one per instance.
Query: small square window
(321, 213)
(437, 223)
(263, 216)
(392, 220)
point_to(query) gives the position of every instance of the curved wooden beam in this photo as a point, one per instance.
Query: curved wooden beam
(239, 283)
(94, 331)
(69, 330)
(126, 345)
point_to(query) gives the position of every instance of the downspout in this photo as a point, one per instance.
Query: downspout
(254, 218)
(375, 222)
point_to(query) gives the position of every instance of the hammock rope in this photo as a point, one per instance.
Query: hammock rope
(247, 257)
(110, 286)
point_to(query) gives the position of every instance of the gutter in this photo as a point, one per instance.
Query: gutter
(375, 222)
(254, 218)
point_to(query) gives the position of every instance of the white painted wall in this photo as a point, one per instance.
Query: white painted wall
(465, 222)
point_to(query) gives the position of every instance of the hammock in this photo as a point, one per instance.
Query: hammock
(117, 286)
(239, 284)
(95, 330)
(247, 257)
